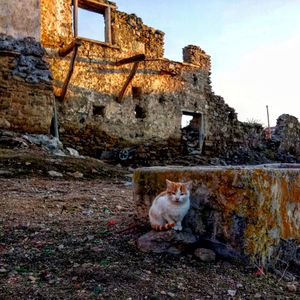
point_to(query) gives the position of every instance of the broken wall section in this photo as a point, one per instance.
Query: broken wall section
(152, 105)
(287, 132)
(20, 18)
(25, 86)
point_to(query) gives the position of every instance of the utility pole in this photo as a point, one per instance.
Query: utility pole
(268, 131)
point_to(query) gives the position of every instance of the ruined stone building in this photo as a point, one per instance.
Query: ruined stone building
(115, 92)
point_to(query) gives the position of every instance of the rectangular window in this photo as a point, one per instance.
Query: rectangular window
(92, 20)
(91, 25)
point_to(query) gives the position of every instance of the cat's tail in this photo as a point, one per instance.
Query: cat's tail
(162, 227)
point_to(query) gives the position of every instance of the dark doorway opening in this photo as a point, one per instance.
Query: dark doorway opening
(192, 129)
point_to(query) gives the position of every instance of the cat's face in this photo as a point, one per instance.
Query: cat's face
(177, 191)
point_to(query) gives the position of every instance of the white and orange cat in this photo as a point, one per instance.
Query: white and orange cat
(169, 207)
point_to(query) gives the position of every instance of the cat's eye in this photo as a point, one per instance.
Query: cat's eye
(173, 193)
(181, 194)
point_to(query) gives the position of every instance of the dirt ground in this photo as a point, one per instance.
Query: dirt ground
(75, 238)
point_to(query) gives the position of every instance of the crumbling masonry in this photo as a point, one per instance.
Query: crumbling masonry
(119, 92)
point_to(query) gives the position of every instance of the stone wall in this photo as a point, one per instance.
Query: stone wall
(20, 18)
(90, 109)
(90, 117)
(287, 133)
(195, 55)
(250, 210)
(25, 86)
(153, 103)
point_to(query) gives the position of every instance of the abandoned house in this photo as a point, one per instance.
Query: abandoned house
(112, 91)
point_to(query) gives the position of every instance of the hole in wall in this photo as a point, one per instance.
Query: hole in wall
(140, 113)
(136, 92)
(195, 79)
(162, 99)
(99, 110)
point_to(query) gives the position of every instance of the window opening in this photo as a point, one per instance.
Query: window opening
(99, 110)
(91, 25)
(92, 20)
(140, 112)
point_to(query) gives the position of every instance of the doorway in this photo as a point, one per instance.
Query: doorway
(193, 131)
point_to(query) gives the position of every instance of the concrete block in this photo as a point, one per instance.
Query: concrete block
(251, 209)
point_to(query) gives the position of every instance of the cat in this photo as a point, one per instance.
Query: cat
(169, 207)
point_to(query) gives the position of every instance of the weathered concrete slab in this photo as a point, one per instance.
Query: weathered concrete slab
(252, 209)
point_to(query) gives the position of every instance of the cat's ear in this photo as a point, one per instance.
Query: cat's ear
(169, 183)
(189, 185)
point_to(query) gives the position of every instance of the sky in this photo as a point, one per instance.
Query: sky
(254, 47)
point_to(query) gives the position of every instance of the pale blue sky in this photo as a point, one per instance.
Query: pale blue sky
(254, 47)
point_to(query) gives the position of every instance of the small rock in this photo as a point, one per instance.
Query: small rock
(32, 278)
(4, 172)
(291, 287)
(2, 270)
(88, 212)
(231, 293)
(172, 295)
(205, 255)
(55, 174)
(165, 241)
(60, 247)
(76, 174)
(257, 296)
(4, 123)
(90, 237)
(73, 152)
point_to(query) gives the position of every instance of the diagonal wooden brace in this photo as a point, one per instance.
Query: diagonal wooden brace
(64, 89)
(129, 79)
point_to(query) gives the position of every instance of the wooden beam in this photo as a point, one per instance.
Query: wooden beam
(107, 16)
(95, 5)
(75, 18)
(69, 75)
(135, 58)
(62, 52)
(129, 79)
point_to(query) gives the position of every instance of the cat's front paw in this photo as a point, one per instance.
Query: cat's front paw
(177, 228)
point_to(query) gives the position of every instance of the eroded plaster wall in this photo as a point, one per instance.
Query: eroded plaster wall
(20, 18)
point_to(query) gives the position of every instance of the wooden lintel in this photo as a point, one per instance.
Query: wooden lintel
(69, 48)
(64, 89)
(129, 79)
(135, 58)
(95, 6)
